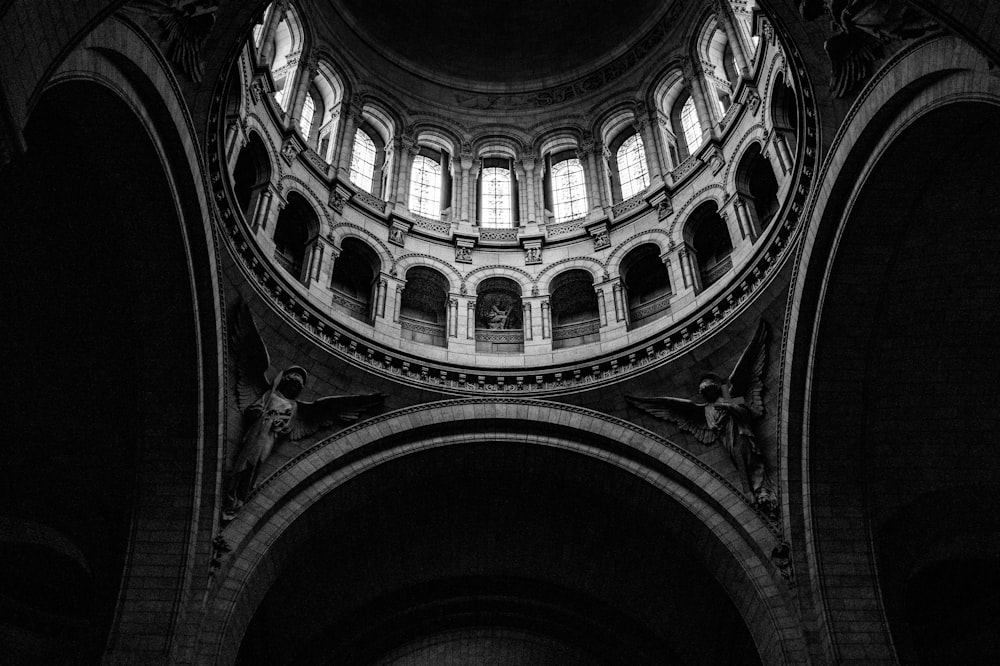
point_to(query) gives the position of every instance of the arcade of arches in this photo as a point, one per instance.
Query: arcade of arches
(346, 333)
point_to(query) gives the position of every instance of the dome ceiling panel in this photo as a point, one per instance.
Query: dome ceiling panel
(517, 45)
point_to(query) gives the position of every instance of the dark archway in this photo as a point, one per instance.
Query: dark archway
(499, 318)
(102, 349)
(576, 319)
(755, 180)
(354, 280)
(251, 176)
(423, 315)
(707, 235)
(294, 231)
(647, 285)
(907, 346)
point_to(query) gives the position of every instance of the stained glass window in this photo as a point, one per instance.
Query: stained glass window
(569, 191)
(496, 201)
(425, 187)
(632, 168)
(689, 124)
(308, 109)
(363, 161)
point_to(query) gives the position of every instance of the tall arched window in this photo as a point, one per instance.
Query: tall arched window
(425, 187)
(632, 167)
(569, 191)
(308, 110)
(689, 124)
(496, 198)
(363, 161)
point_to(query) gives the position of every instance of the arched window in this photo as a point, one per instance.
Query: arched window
(308, 110)
(633, 171)
(690, 126)
(569, 191)
(425, 187)
(258, 30)
(363, 161)
(496, 197)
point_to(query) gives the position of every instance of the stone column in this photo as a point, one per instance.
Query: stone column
(532, 211)
(546, 320)
(469, 190)
(452, 306)
(602, 311)
(470, 319)
(621, 306)
(352, 119)
(645, 130)
(589, 161)
(726, 20)
(781, 149)
(406, 152)
(696, 84)
(305, 73)
(745, 219)
(262, 209)
(526, 321)
(270, 28)
(522, 191)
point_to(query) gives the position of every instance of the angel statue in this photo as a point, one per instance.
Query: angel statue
(725, 416)
(498, 317)
(272, 410)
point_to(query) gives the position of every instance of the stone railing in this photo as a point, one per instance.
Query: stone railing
(349, 302)
(713, 274)
(500, 335)
(658, 304)
(293, 267)
(577, 330)
(424, 327)
(432, 225)
(567, 227)
(489, 234)
(631, 203)
(685, 167)
(370, 200)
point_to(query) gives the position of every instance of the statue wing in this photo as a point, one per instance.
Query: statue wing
(250, 355)
(687, 414)
(852, 54)
(747, 378)
(325, 412)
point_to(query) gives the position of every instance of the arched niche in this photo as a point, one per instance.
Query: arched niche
(423, 314)
(251, 175)
(898, 434)
(355, 279)
(575, 315)
(499, 321)
(294, 231)
(756, 182)
(105, 349)
(646, 281)
(707, 235)
(785, 110)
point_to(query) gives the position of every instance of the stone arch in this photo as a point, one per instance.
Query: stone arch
(756, 133)
(130, 125)
(342, 230)
(659, 237)
(252, 174)
(520, 276)
(849, 233)
(589, 264)
(408, 261)
(733, 537)
(714, 193)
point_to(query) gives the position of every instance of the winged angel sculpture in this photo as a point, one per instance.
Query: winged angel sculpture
(271, 408)
(726, 416)
(861, 28)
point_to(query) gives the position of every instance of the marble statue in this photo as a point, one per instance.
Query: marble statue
(272, 410)
(725, 415)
